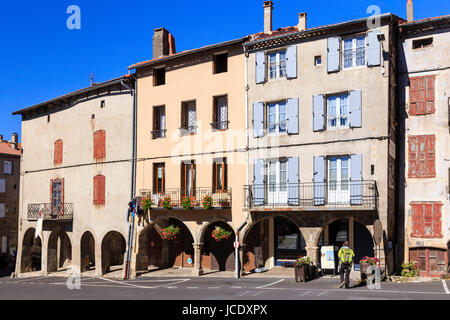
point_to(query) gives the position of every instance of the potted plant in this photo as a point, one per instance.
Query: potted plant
(170, 232)
(147, 203)
(224, 203)
(166, 202)
(364, 265)
(220, 234)
(409, 269)
(207, 202)
(303, 269)
(187, 203)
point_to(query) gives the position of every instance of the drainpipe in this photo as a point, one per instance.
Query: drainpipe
(236, 249)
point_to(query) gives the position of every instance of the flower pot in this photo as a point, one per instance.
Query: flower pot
(303, 273)
(363, 270)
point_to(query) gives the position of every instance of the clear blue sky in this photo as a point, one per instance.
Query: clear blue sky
(40, 58)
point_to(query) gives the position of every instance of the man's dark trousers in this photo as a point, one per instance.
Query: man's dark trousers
(345, 267)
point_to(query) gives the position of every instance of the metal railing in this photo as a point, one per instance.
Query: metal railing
(220, 198)
(336, 194)
(187, 130)
(49, 212)
(159, 134)
(220, 125)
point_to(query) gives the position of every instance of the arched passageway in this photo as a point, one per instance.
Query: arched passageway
(31, 258)
(113, 250)
(59, 252)
(218, 255)
(271, 241)
(87, 246)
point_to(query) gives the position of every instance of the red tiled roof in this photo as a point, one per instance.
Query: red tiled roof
(8, 148)
(406, 23)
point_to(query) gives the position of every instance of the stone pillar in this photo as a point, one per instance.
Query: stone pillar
(197, 270)
(98, 259)
(44, 252)
(313, 253)
(271, 260)
(241, 259)
(76, 255)
(326, 235)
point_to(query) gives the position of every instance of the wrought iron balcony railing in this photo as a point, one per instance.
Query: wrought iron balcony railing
(48, 211)
(337, 194)
(187, 130)
(158, 134)
(221, 125)
(220, 198)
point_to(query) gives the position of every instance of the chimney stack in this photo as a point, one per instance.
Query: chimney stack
(302, 21)
(15, 140)
(268, 8)
(1, 137)
(409, 11)
(163, 43)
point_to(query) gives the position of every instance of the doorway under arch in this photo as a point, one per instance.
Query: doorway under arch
(87, 246)
(31, 258)
(59, 252)
(113, 250)
(218, 255)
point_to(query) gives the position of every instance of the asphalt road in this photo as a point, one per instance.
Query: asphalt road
(56, 288)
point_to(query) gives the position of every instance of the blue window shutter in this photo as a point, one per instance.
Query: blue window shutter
(293, 182)
(292, 113)
(291, 62)
(355, 101)
(258, 119)
(333, 58)
(356, 179)
(373, 49)
(319, 181)
(258, 183)
(260, 67)
(318, 113)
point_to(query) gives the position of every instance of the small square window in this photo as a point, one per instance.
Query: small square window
(159, 77)
(422, 43)
(220, 63)
(317, 60)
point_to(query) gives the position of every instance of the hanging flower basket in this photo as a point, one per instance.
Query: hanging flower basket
(170, 233)
(166, 202)
(147, 203)
(207, 202)
(220, 234)
(187, 203)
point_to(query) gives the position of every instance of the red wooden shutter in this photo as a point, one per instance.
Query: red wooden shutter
(58, 152)
(429, 97)
(437, 220)
(430, 165)
(421, 89)
(413, 156)
(413, 96)
(422, 163)
(417, 218)
(99, 145)
(413, 255)
(99, 190)
(427, 220)
(421, 95)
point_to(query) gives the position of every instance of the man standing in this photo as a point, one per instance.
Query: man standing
(345, 255)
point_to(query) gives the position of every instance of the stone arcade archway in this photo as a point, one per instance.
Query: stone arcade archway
(113, 250)
(218, 255)
(87, 246)
(59, 252)
(31, 258)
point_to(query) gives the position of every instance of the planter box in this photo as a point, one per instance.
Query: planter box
(304, 273)
(363, 270)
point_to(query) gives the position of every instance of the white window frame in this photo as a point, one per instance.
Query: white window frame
(338, 116)
(338, 193)
(277, 118)
(277, 64)
(8, 167)
(277, 190)
(354, 53)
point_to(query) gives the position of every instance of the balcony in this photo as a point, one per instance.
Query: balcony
(349, 195)
(221, 125)
(156, 134)
(188, 130)
(220, 199)
(48, 212)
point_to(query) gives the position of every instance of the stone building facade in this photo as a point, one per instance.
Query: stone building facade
(10, 153)
(424, 103)
(77, 173)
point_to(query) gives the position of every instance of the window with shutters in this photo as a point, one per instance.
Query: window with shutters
(338, 112)
(421, 160)
(188, 118)
(421, 95)
(354, 52)
(100, 145)
(276, 117)
(220, 113)
(426, 219)
(188, 178)
(58, 152)
(220, 175)
(277, 64)
(99, 190)
(159, 122)
(430, 261)
(7, 167)
(159, 178)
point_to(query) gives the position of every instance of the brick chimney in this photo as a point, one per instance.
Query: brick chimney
(409, 11)
(15, 140)
(268, 8)
(302, 21)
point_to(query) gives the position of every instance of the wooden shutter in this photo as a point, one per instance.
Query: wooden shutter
(355, 100)
(430, 156)
(260, 67)
(258, 182)
(319, 180)
(258, 119)
(58, 152)
(291, 62)
(417, 220)
(413, 151)
(99, 190)
(214, 177)
(421, 95)
(225, 174)
(356, 191)
(437, 220)
(427, 220)
(374, 49)
(292, 112)
(318, 113)
(293, 181)
(99, 145)
(429, 94)
(333, 58)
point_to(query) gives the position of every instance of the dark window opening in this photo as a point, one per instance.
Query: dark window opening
(220, 113)
(48, 118)
(159, 122)
(422, 43)
(159, 76)
(102, 104)
(220, 173)
(317, 60)
(221, 63)
(158, 178)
